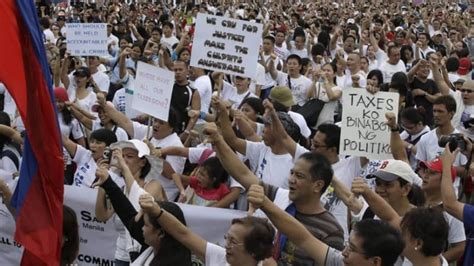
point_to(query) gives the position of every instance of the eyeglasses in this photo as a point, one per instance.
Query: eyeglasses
(466, 91)
(230, 241)
(348, 246)
(315, 146)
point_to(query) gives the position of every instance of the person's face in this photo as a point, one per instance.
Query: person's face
(300, 182)
(123, 44)
(185, 56)
(293, 66)
(467, 92)
(441, 116)
(109, 29)
(103, 116)
(353, 253)
(234, 244)
(93, 61)
(156, 36)
(459, 46)
(408, 54)
(410, 128)
(55, 30)
(436, 24)
(424, 70)
(167, 31)
(151, 235)
(97, 149)
(81, 81)
(136, 53)
(371, 51)
(453, 36)
(399, 39)
(299, 42)
(318, 144)
(353, 61)
(373, 81)
(242, 83)
(249, 112)
(267, 46)
(180, 71)
(267, 135)
(423, 40)
(394, 56)
(132, 160)
(438, 39)
(390, 191)
(279, 38)
(364, 64)
(203, 177)
(328, 72)
(161, 129)
(349, 45)
(60, 105)
(431, 179)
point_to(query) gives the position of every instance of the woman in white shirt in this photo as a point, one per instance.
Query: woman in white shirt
(326, 90)
(248, 241)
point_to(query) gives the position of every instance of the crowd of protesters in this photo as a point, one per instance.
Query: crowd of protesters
(246, 143)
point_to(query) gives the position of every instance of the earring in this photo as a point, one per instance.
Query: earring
(416, 248)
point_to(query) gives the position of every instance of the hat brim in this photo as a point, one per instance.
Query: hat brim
(385, 176)
(463, 72)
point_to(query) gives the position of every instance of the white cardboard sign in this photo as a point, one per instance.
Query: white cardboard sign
(363, 128)
(226, 45)
(87, 39)
(153, 88)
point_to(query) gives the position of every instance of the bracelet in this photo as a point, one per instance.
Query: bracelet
(397, 129)
(159, 215)
(202, 115)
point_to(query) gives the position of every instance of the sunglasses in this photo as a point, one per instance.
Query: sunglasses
(466, 91)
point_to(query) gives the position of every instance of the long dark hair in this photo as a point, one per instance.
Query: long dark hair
(70, 247)
(171, 252)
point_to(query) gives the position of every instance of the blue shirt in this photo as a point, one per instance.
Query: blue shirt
(468, 218)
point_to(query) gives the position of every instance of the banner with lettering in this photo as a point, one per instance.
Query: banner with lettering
(226, 45)
(97, 239)
(10, 251)
(363, 128)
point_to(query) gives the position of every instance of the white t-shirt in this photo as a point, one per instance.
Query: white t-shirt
(169, 41)
(299, 86)
(273, 169)
(215, 255)
(327, 113)
(260, 78)
(177, 162)
(281, 52)
(123, 98)
(463, 113)
(204, 86)
(404, 136)
(388, 70)
(73, 128)
(229, 93)
(347, 83)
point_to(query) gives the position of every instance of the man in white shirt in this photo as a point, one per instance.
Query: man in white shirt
(392, 65)
(168, 38)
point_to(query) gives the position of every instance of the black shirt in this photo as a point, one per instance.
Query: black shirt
(421, 102)
(181, 98)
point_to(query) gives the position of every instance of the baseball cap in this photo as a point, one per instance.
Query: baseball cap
(460, 80)
(437, 165)
(283, 95)
(391, 170)
(351, 21)
(464, 66)
(135, 144)
(61, 94)
(82, 72)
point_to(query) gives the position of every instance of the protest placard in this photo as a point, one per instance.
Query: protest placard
(153, 88)
(97, 239)
(363, 128)
(226, 45)
(84, 39)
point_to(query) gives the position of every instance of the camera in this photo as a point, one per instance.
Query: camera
(107, 155)
(455, 140)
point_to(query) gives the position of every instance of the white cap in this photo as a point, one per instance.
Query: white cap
(391, 170)
(135, 144)
(351, 21)
(438, 32)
